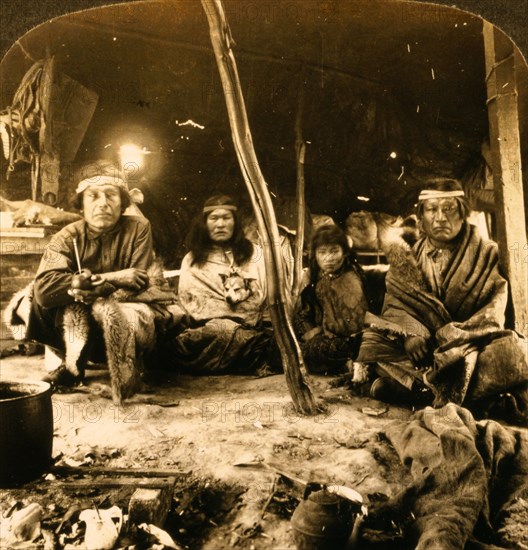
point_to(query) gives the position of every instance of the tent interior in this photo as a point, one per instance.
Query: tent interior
(387, 94)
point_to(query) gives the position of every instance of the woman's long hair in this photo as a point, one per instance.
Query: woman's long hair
(332, 234)
(200, 243)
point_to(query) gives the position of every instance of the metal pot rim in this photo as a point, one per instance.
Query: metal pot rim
(30, 388)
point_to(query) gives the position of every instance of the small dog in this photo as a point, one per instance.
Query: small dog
(236, 288)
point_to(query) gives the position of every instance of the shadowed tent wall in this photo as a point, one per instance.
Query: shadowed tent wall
(380, 77)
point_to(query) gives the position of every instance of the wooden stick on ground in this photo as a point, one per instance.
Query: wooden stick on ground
(221, 40)
(270, 496)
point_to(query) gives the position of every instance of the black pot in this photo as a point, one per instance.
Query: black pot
(322, 521)
(26, 431)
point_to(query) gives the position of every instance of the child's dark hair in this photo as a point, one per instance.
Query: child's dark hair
(328, 235)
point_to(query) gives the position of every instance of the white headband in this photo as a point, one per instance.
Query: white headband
(208, 209)
(433, 194)
(101, 180)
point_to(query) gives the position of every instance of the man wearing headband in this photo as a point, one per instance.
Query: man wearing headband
(442, 329)
(113, 253)
(222, 286)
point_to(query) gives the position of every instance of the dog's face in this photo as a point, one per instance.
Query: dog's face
(236, 288)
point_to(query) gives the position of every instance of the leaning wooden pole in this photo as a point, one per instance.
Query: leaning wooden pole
(221, 40)
(300, 152)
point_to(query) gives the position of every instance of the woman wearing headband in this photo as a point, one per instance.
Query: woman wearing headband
(223, 289)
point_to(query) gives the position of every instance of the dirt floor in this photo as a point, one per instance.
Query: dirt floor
(228, 436)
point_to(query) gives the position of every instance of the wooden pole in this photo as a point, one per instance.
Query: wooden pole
(300, 150)
(506, 159)
(222, 42)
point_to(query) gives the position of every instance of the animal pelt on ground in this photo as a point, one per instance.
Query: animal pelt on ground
(468, 478)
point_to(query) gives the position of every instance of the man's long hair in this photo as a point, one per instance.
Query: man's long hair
(200, 243)
(328, 235)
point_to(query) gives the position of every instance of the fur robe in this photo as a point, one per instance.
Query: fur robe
(203, 291)
(330, 313)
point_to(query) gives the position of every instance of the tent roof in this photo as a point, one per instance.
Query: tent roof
(379, 77)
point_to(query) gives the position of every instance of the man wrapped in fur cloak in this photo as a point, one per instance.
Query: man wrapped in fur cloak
(98, 294)
(443, 321)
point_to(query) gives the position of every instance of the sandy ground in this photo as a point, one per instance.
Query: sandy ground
(207, 425)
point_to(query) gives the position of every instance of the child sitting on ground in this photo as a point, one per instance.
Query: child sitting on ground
(329, 316)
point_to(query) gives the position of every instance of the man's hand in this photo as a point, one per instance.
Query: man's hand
(88, 296)
(133, 278)
(416, 348)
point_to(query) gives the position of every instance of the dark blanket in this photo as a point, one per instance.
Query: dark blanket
(219, 346)
(470, 483)
(472, 295)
